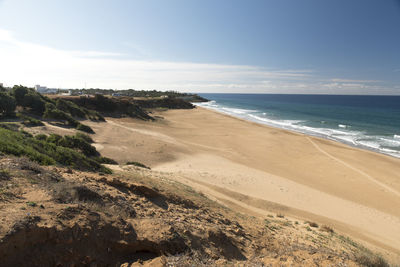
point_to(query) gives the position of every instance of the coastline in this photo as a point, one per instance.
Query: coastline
(341, 135)
(256, 168)
(363, 148)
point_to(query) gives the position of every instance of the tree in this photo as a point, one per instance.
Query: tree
(7, 104)
(19, 92)
(33, 101)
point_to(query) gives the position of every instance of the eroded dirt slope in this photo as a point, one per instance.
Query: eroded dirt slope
(52, 216)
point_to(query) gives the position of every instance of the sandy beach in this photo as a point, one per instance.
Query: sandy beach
(258, 169)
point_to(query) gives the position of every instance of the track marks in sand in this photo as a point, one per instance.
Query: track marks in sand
(369, 177)
(159, 136)
(261, 207)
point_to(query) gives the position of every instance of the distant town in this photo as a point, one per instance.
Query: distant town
(115, 93)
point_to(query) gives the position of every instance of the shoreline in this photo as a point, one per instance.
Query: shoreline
(293, 131)
(353, 190)
(318, 135)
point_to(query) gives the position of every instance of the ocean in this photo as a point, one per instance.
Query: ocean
(369, 122)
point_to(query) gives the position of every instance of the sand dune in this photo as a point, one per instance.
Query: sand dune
(259, 169)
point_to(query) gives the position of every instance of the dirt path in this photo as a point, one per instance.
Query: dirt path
(372, 179)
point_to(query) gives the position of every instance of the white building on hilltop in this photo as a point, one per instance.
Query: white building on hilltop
(45, 90)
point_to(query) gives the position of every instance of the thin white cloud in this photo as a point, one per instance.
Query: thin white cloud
(354, 81)
(139, 51)
(30, 64)
(95, 54)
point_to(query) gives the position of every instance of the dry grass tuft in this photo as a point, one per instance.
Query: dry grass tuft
(312, 224)
(371, 260)
(327, 228)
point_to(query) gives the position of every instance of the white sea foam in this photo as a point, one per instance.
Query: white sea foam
(282, 123)
(385, 145)
(238, 110)
(346, 139)
(390, 142)
(369, 143)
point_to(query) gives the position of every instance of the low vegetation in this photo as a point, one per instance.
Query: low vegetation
(169, 103)
(312, 224)
(4, 174)
(52, 112)
(113, 107)
(84, 128)
(327, 228)
(77, 111)
(137, 164)
(31, 108)
(7, 105)
(105, 160)
(29, 121)
(68, 111)
(73, 151)
(28, 101)
(141, 94)
(371, 260)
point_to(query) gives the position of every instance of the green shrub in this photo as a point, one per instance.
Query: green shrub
(77, 111)
(19, 92)
(137, 164)
(50, 151)
(9, 126)
(29, 98)
(75, 142)
(54, 138)
(47, 99)
(53, 113)
(111, 107)
(41, 137)
(25, 134)
(71, 108)
(94, 116)
(15, 143)
(78, 143)
(33, 101)
(7, 105)
(85, 137)
(105, 160)
(84, 128)
(29, 121)
(4, 175)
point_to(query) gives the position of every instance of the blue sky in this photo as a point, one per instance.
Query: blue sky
(265, 46)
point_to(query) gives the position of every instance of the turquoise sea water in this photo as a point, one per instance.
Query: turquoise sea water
(369, 122)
